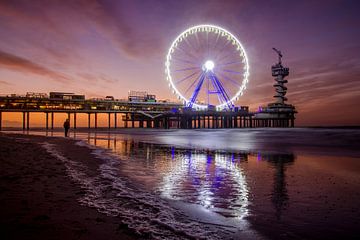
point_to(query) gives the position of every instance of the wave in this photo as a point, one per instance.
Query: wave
(144, 212)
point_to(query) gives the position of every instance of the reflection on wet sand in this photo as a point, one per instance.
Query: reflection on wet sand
(280, 195)
(214, 179)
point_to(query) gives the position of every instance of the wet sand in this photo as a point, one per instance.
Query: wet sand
(316, 200)
(39, 201)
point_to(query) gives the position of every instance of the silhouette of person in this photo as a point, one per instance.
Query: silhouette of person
(66, 127)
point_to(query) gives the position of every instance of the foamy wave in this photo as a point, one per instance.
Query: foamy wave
(145, 213)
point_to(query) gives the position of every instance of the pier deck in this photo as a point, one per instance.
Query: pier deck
(138, 114)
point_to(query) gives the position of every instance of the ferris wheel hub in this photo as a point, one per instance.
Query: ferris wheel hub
(209, 65)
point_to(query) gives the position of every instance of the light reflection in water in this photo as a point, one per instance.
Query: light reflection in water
(213, 179)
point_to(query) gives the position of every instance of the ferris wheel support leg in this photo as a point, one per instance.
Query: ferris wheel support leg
(219, 87)
(197, 90)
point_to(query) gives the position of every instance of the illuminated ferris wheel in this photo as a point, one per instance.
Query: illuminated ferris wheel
(207, 66)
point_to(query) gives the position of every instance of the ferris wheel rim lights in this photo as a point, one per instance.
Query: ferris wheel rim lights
(223, 32)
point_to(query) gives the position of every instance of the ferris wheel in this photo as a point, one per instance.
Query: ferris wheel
(207, 66)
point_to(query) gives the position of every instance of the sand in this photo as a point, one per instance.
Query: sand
(39, 201)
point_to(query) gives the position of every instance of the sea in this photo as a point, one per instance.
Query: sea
(264, 183)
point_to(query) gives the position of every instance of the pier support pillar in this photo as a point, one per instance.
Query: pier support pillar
(95, 120)
(47, 121)
(74, 120)
(126, 120)
(0, 120)
(115, 120)
(109, 125)
(89, 119)
(23, 120)
(132, 120)
(52, 120)
(27, 120)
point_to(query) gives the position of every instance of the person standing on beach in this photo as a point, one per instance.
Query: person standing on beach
(66, 127)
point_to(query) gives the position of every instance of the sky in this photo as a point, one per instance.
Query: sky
(101, 48)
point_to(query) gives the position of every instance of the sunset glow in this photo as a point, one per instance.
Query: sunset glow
(101, 48)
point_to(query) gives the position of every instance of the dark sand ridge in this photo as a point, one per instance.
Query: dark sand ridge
(39, 201)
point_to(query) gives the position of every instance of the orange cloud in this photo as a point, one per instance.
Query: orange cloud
(17, 63)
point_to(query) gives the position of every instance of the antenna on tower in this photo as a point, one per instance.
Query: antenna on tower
(279, 54)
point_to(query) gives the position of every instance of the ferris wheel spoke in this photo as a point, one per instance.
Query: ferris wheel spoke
(186, 78)
(186, 69)
(217, 40)
(207, 44)
(222, 49)
(187, 53)
(196, 80)
(226, 56)
(184, 61)
(198, 42)
(198, 45)
(230, 80)
(189, 44)
(229, 63)
(231, 71)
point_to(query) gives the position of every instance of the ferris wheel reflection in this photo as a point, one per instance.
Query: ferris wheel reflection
(232, 184)
(214, 180)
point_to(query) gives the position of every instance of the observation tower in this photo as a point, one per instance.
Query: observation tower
(278, 113)
(279, 72)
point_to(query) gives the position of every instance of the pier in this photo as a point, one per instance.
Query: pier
(138, 114)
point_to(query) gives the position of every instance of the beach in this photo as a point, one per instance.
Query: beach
(179, 184)
(38, 200)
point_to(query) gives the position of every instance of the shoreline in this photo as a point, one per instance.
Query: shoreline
(39, 196)
(62, 199)
(39, 201)
(331, 141)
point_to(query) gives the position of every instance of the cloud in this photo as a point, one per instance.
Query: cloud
(97, 78)
(326, 81)
(20, 64)
(113, 23)
(117, 22)
(4, 83)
